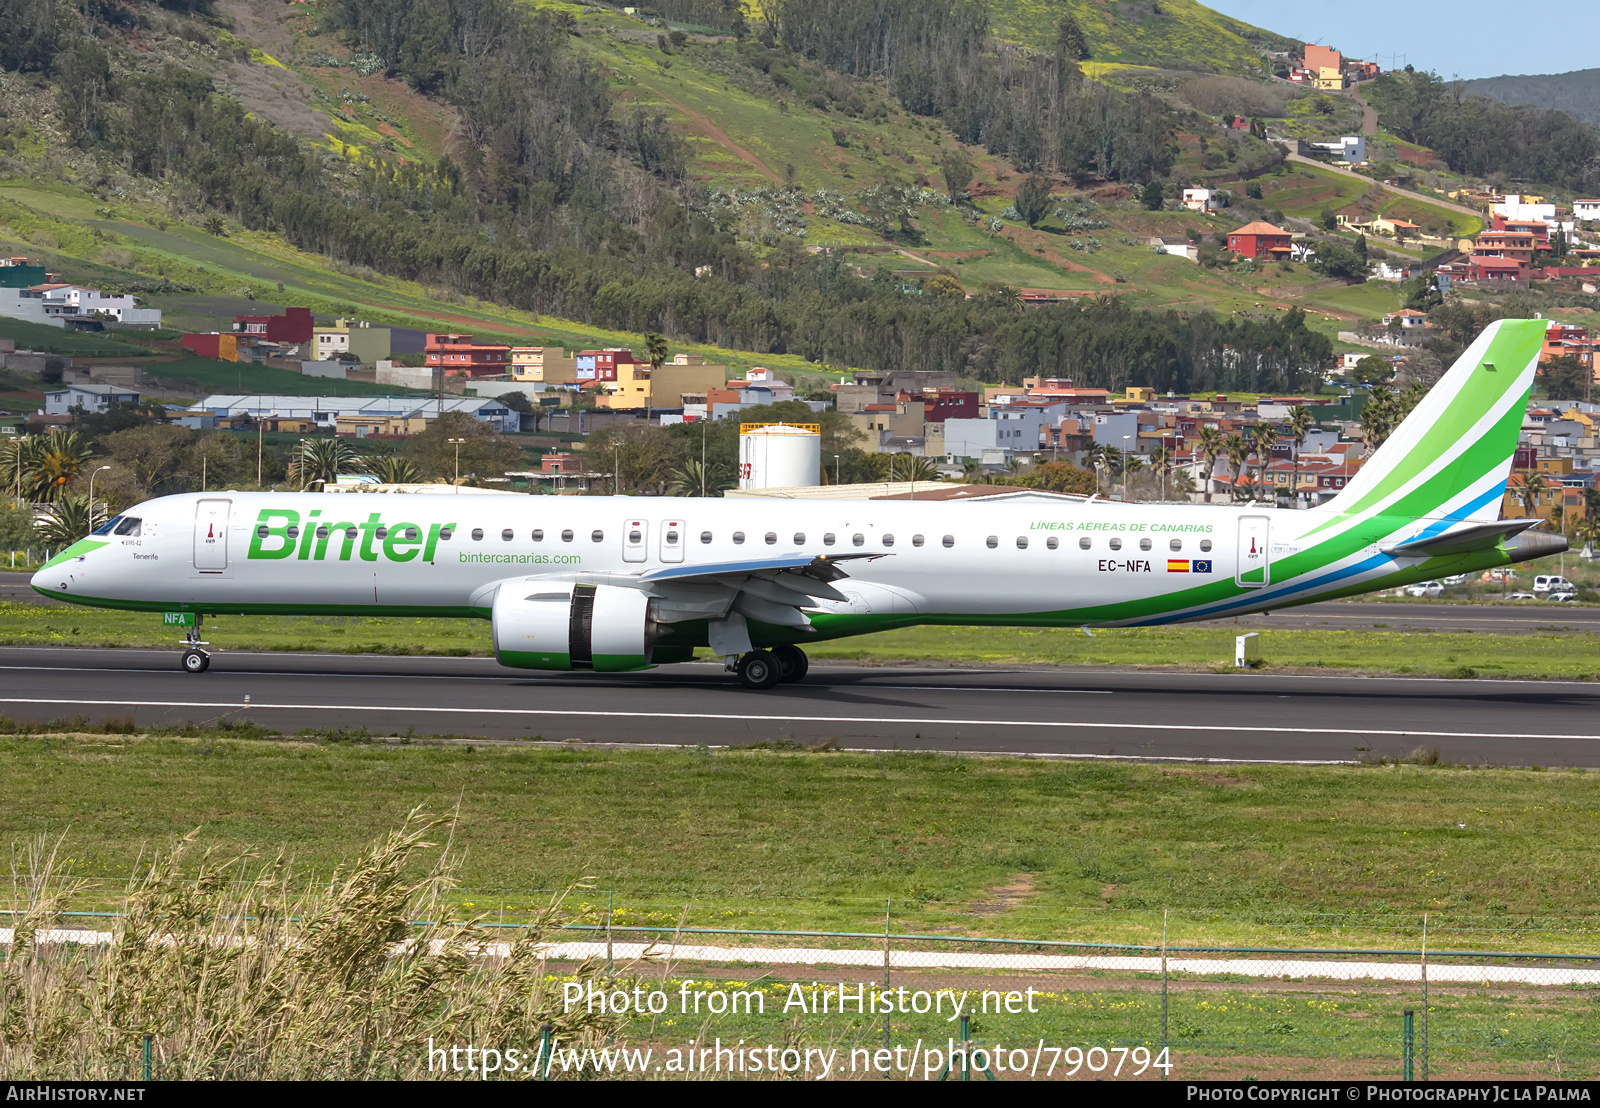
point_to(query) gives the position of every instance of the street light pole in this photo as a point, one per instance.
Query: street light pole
(457, 443)
(836, 469)
(92, 476)
(259, 426)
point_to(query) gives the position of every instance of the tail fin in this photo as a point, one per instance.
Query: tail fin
(1451, 456)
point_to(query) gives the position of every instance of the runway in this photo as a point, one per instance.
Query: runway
(1087, 712)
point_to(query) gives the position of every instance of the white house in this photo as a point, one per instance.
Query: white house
(1200, 200)
(1183, 248)
(26, 305)
(1007, 431)
(1512, 207)
(1350, 148)
(1391, 271)
(78, 302)
(1587, 210)
(91, 398)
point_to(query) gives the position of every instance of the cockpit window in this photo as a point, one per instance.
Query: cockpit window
(105, 528)
(128, 528)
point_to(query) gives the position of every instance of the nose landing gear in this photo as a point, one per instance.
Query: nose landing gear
(195, 660)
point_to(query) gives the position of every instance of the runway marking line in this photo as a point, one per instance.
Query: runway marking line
(739, 718)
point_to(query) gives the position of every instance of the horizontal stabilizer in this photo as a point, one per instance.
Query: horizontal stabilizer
(1475, 536)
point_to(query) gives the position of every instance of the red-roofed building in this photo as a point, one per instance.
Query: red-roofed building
(1259, 240)
(459, 356)
(294, 325)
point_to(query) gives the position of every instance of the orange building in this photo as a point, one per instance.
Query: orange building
(461, 357)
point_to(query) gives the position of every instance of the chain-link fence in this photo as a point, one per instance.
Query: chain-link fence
(910, 992)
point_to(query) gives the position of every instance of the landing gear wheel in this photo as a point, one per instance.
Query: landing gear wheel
(792, 663)
(759, 670)
(196, 661)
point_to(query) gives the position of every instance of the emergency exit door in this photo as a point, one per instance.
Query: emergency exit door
(672, 540)
(1254, 568)
(211, 536)
(635, 540)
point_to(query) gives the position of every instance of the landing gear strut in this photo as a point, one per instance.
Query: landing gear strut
(195, 660)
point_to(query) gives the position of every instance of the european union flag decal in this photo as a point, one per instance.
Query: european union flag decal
(1199, 566)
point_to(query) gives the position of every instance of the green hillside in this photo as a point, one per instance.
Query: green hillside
(1182, 34)
(1576, 93)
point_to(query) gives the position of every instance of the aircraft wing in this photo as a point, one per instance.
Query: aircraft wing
(770, 590)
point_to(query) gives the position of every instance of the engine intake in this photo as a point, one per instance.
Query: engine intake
(558, 625)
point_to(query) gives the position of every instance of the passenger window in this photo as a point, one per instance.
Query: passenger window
(1116, 543)
(949, 541)
(128, 528)
(293, 532)
(1085, 543)
(1176, 544)
(992, 541)
(1205, 545)
(263, 531)
(888, 540)
(705, 537)
(566, 536)
(410, 534)
(1022, 542)
(505, 536)
(538, 535)
(477, 534)
(858, 540)
(1052, 543)
(445, 534)
(1144, 544)
(916, 540)
(597, 536)
(827, 540)
(799, 538)
(772, 538)
(738, 536)
(322, 531)
(382, 533)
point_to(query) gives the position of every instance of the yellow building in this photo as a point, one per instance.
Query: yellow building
(362, 427)
(369, 344)
(548, 365)
(1329, 78)
(638, 386)
(1140, 394)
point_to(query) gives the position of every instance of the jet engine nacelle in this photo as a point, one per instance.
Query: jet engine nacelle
(558, 625)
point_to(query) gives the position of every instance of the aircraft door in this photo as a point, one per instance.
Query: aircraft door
(211, 536)
(672, 540)
(1254, 567)
(635, 540)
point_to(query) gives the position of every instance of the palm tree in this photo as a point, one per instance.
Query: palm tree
(1533, 486)
(322, 460)
(1094, 456)
(912, 468)
(1237, 451)
(66, 522)
(1588, 530)
(971, 470)
(1378, 417)
(395, 470)
(14, 454)
(1111, 459)
(686, 479)
(655, 352)
(1160, 459)
(1263, 436)
(1212, 444)
(52, 463)
(1300, 423)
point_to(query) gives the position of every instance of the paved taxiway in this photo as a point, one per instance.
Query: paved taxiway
(1081, 712)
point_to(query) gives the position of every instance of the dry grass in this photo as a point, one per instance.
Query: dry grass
(236, 974)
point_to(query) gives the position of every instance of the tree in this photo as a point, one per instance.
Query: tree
(214, 226)
(393, 469)
(1564, 378)
(1033, 198)
(18, 529)
(655, 346)
(1238, 452)
(151, 454)
(1153, 196)
(1071, 44)
(66, 521)
(322, 460)
(942, 284)
(1061, 477)
(1263, 436)
(1300, 423)
(483, 454)
(1212, 444)
(1335, 258)
(1372, 370)
(1378, 417)
(1160, 460)
(53, 462)
(1533, 487)
(957, 170)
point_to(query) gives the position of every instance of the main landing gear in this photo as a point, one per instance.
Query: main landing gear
(762, 669)
(195, 659)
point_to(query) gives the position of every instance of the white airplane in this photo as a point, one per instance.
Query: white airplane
(612, 583)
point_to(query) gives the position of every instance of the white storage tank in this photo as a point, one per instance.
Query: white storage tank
(780, 455)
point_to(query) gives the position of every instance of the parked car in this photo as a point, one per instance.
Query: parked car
(1562, 597)
(1455, 579)
(1547, 581)
(1522, 596)
(1426, 589)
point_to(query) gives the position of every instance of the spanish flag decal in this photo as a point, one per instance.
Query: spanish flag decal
(1177, 565)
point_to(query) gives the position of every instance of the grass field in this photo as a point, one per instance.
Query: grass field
(1546, 655)
(761, 838)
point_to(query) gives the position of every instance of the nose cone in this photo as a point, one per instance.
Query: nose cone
(49, 579)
